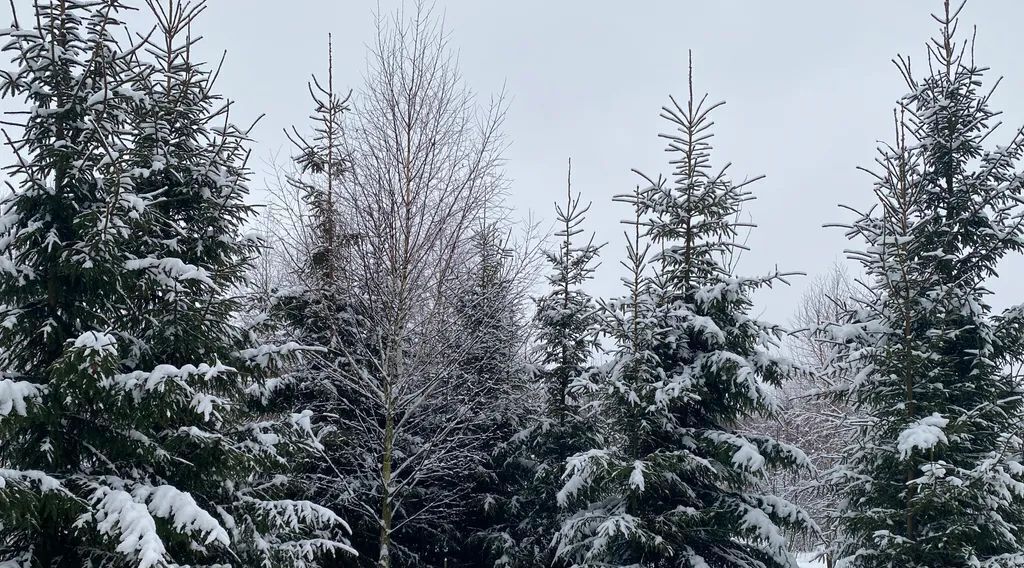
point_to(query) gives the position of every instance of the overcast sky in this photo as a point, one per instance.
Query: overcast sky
(809, 84)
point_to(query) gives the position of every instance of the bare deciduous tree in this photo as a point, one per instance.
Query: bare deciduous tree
(423, 167)
(815, 423)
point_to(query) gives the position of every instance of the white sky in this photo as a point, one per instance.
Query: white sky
(809, 85)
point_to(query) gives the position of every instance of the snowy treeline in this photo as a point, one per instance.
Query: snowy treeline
(381, 367)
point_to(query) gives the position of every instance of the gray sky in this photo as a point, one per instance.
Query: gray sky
(809, 85)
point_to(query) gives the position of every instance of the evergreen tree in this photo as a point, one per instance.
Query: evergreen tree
(317, 302)
(130, 423)
(494, 373)
(321, 163)
(934, 477)
(59, 243)
(678, 485)
(530, 463)
(567, 317)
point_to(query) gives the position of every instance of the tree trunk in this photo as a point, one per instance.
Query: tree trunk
(386, 508)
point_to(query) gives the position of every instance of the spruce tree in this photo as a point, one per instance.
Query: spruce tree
(489, 387)
(59, 244)
(197, 159)
(524, 509)
(130, 418)
(567, 317)
(320, 163)
(934, 477)
(316, 302)
(679, 484)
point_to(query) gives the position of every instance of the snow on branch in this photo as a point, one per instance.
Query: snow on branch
(45, 483)
(264, 390)
(118, 515)
(141, 382)
(182, 510)
(170, 271)
(266, 354)
(130, 517)
(747, 455)
(94, 342)
(923, 434)
(758, 523)
(580, 471)
(15, 396)
(295, 515)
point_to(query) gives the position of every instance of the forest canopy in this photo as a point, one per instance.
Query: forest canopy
(379, 361)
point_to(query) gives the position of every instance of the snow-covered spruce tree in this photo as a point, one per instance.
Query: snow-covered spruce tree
(491, 323)
(524, 510)
(934, 477)
(320, 163)
(679, 485)
(315, 301)
(198, 168)
(59, 244)
(126, 429)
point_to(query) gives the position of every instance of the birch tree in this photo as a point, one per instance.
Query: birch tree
(424, 165)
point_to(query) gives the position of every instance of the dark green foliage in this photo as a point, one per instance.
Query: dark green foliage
(529, 464)
(678, 484)
(934, 477)
(131, 427)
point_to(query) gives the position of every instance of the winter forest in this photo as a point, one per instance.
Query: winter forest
(379, 361)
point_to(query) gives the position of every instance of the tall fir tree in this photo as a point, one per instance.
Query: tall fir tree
(494, 372)
(131, 426)
(321, 163)
(316, 302)
(529, 465)
(679, 484)
(934, 477)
